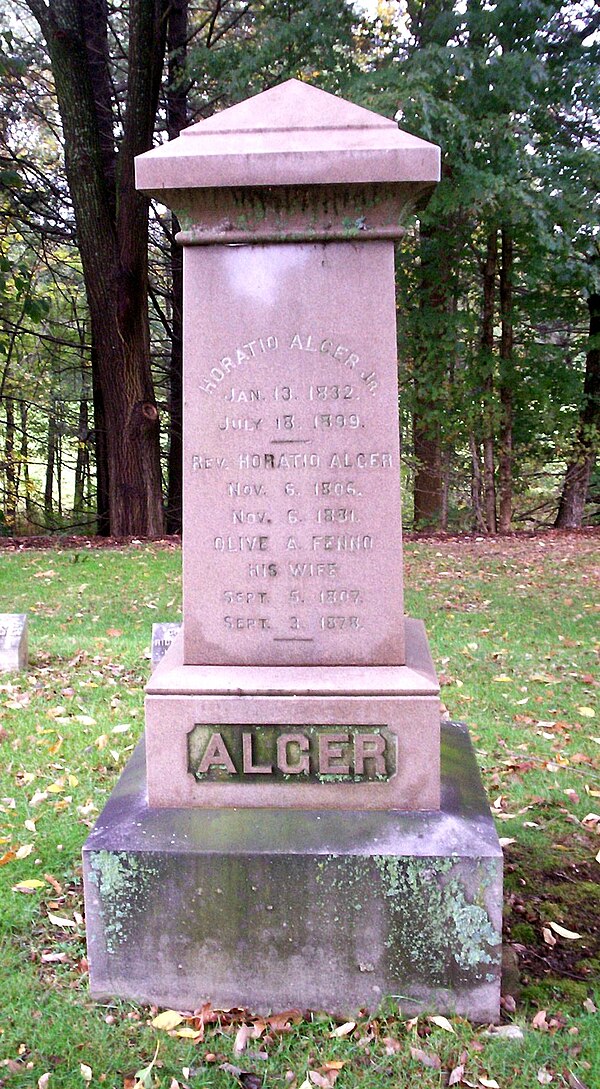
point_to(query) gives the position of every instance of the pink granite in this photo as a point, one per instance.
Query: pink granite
(292, 684)
(292, 528)
(415, 678)
(291, 134)
(263, 748)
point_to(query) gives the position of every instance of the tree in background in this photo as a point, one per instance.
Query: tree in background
(480, 342)
(90, 53)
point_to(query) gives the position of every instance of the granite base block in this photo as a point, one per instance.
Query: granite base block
(279, 908)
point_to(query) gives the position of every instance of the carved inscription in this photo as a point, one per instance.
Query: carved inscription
(294, 463)
(291, 754)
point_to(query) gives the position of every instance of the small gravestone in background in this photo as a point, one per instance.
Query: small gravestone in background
(13, 642)
(162, 637)
(290, 836)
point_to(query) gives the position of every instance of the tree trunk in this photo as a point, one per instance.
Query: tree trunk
(476, 486)
(25, 463)
(435, 302)
(100, 455)
(176, 121)
(10, 468)
(50, 460)
(505, 460)
(112, 225)
(487, 345)
(579, 469)
(82, 456)
(430, 26)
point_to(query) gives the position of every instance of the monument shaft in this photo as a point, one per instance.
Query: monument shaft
(292, 539)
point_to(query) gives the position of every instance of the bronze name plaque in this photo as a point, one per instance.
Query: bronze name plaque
(313, 753)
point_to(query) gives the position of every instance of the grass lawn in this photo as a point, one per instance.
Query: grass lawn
(515, 637)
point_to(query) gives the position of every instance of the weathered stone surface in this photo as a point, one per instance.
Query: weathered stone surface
(301, 741)
(13, 642)
(292, 526)
(290, 135)
(280, 908)
(162, 637)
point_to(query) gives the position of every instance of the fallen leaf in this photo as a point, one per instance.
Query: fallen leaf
(229, 1068)
(7, 857)
(539, 1021)
(456, 1075)
(143, 1078)
(43, 1080)
(189, 1033)
(52, 958)
(25, 850)
(589, 1006)
(29, 885)
(392, 1046)
(509, 1032)
(544, 1076)
(343, 1030)
(489, 1083)
(441, 1022)
(564, 933)
(86, 1072)
(505, 841)
(575, 1082)
(60, 920)
(425, 1059)
(587, 712)
(548, 936)
(244, 1033)
(280, 1021)
(168, 1019)
(248, 1080)
(55, 884)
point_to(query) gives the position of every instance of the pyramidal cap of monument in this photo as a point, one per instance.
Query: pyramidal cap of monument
(290, 135)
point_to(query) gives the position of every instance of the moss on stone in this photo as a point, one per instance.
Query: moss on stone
(122, 880)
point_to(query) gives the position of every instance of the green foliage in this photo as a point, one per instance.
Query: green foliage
(271, 41)
(509, 91)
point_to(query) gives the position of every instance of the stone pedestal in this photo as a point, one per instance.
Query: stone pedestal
(277, 908)
(330, 738)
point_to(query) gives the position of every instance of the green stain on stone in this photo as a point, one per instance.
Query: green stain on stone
(432, 920)
(122, 880)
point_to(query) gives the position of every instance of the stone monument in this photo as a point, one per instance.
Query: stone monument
(162, 637)
(13, 642)
(289, 837)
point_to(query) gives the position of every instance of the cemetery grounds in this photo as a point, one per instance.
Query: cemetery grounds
(513, 625)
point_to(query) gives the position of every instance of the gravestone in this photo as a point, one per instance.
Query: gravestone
(13, 642)
(162, 637)
(290, 836)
